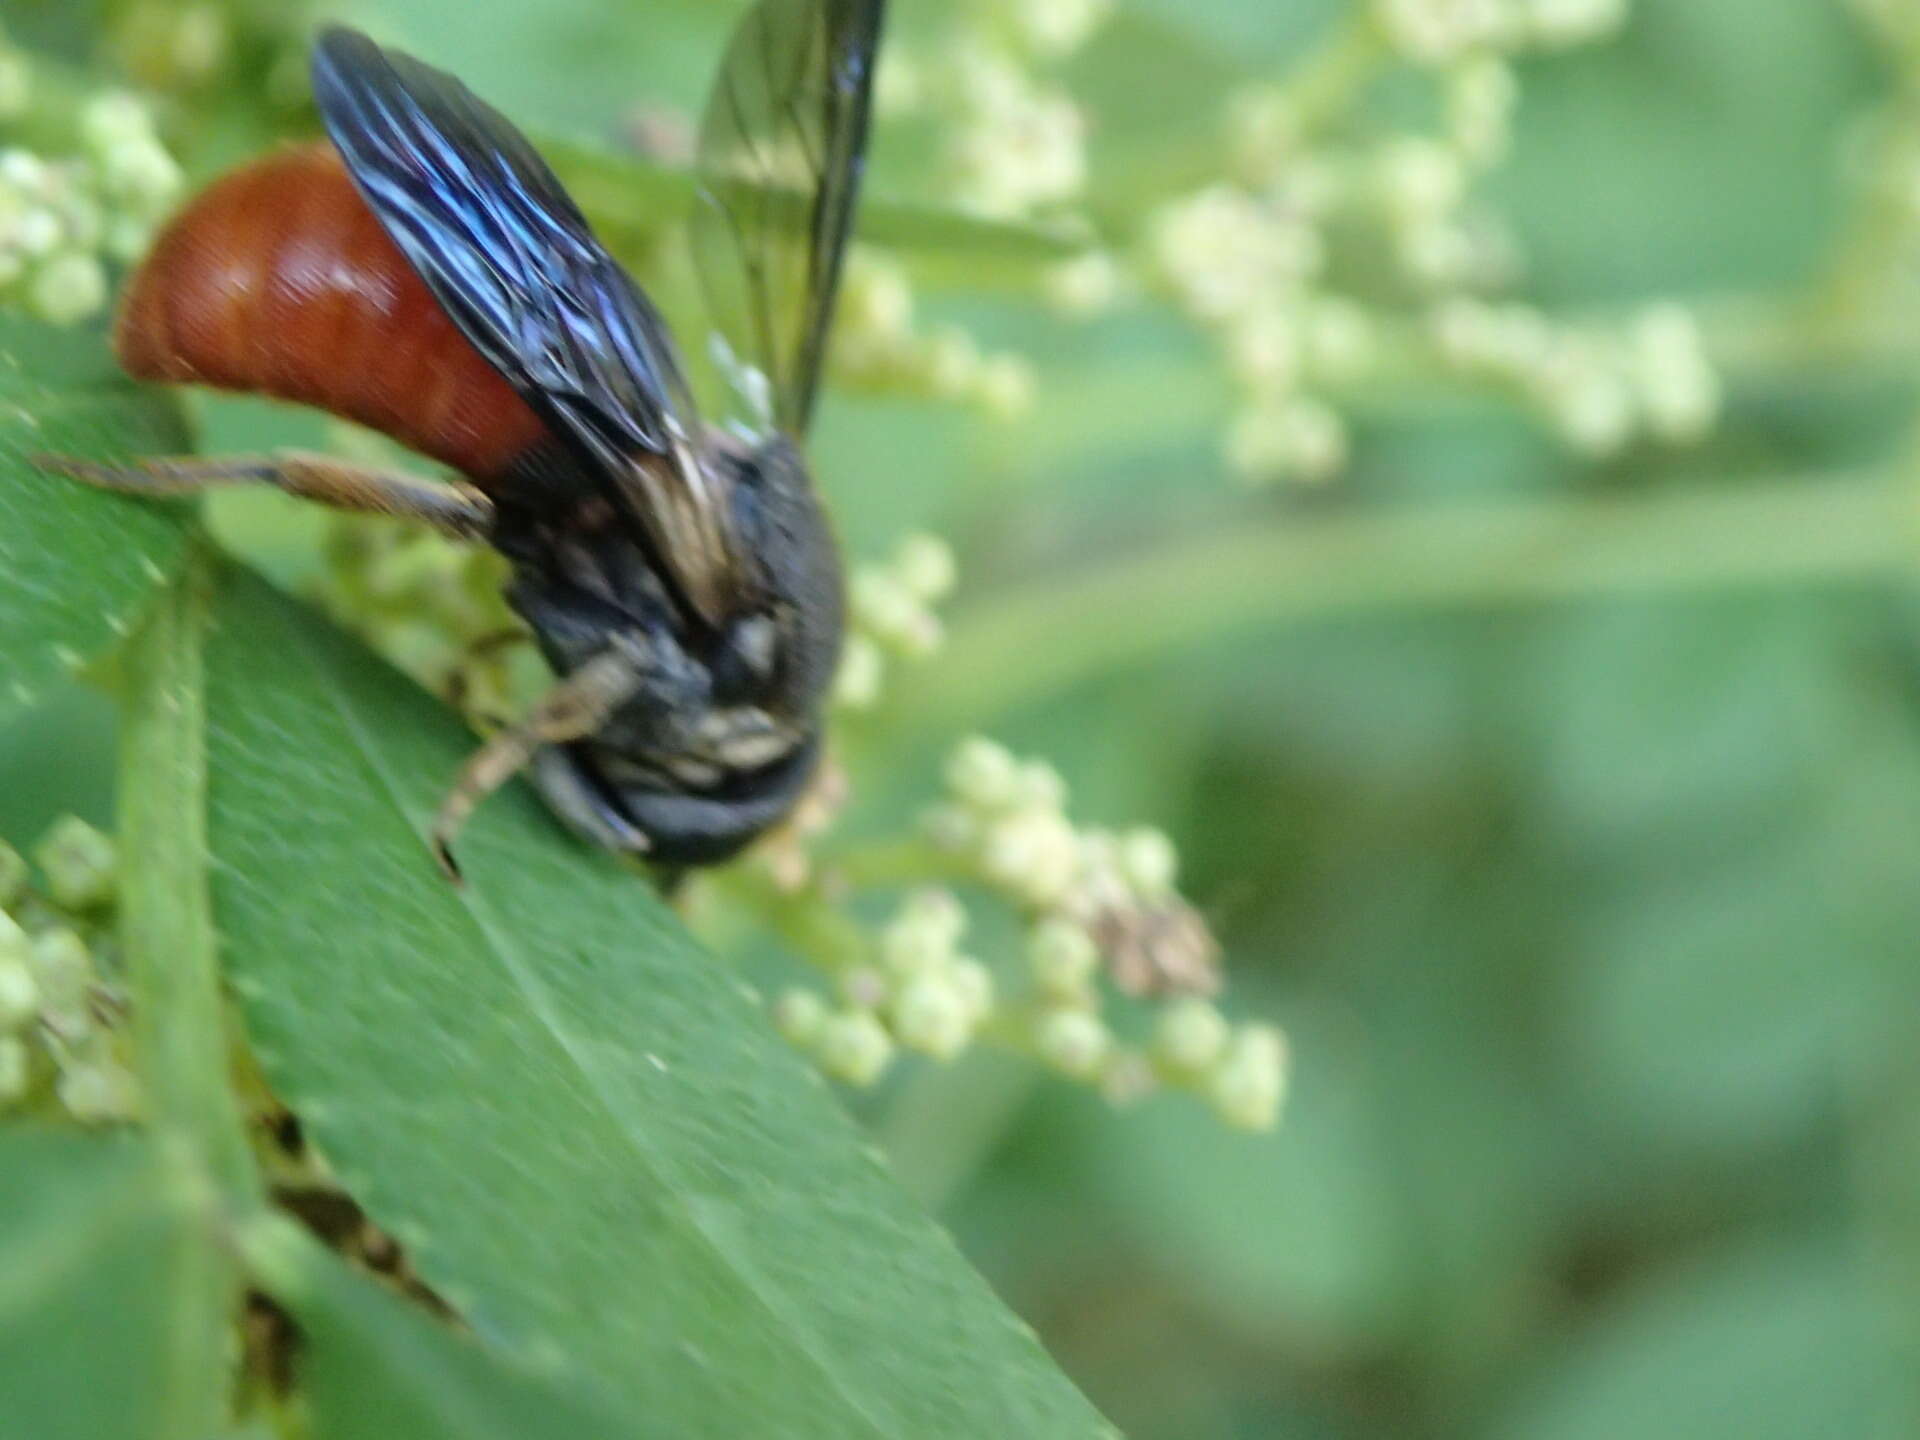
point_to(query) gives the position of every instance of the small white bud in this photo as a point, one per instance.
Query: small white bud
(63, 973)
(1033, 855)
(854, 1046)
(1073, 1042)
(1191, 1035)
(1676, 381)
(800, 1015)
(99, 1092)
(856, 686)
(24, 173)
(1420, 179)
(876, 306)
(67, 289)
(1149, 861)
(922, 937)
(1302, 439)
(1040, 787)
(1249, 1082)
(36, 234)
(1263, 347)
(19, 995)
(983, 775)
(931, 1016)
(925, 567)
(1063, 958)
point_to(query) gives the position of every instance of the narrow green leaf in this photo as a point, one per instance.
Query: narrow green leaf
(76, 566)
(582, 1127)
(93, 1235)
(372, 1367)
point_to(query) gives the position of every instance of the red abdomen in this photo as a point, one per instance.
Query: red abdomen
(278, 280)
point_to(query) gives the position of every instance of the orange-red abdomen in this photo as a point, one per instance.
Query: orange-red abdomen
(278, 280)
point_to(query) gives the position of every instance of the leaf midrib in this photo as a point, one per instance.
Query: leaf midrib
(685, 1216)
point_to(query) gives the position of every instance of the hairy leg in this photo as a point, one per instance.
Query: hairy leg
(458, 511)
(577, 707)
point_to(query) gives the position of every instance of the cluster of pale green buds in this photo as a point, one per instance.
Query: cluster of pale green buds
(57, 1034)
(1016, 141)
(1438, 32)
(1600, 389)
(922, 994)
(63, 219)
(876, 346)
(1101, 911)
(891, 616)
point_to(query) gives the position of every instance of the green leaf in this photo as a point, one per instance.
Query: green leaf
(76, 566)
(93, 1233)
(1772, 1343)
(582, 1128)
(372, 1367)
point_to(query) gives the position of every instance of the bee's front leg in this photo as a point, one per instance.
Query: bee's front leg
(577, 707)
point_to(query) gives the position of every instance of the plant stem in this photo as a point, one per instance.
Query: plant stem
(1037, 640)
(180, 1025)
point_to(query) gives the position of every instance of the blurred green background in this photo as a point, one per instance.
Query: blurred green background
(1582, 875)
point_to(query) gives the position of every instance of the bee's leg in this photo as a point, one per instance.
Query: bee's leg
(574, 709)
(458, 511)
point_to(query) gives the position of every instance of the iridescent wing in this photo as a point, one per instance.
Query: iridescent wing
(509, 257)
(781, 154)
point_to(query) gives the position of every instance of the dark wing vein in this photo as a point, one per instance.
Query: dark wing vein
(782, 153)
(509, 257)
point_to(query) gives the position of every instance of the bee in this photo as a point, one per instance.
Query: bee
(423, 272)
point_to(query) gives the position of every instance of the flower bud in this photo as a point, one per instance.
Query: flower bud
(1249, 1082)
(1033, 855)
(925, 567)
(69, 288)
(19, 995)
(800, 1015)
(983, 775)
(63, 974)
(1074, 1043)
(931, 1016)
(862, 670)
(853, 1046)
(1063, 958)
(99, 1092)
(1149, 862)
(1191, 1036)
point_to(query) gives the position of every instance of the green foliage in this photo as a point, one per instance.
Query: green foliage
(76, 569)
(95, 1236)
(1567, 813)
(577, 1123)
